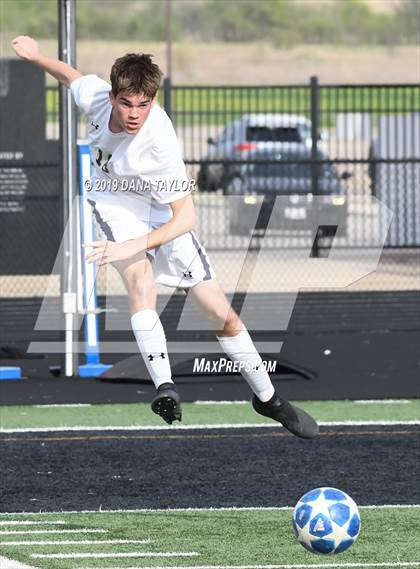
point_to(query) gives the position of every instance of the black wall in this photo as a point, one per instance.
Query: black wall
(30, 176)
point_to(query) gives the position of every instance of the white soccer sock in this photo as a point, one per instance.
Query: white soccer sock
(151, 340)
(240, 348)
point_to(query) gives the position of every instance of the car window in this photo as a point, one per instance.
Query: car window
(304, 131)
(281, 170)
(274, 134)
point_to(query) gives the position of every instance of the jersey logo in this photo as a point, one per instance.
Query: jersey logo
(95, 125)
(187, 274)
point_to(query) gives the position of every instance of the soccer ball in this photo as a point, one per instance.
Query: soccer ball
(326, 520)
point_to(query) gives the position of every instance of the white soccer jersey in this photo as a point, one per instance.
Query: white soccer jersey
(151, 159)
(147, 166)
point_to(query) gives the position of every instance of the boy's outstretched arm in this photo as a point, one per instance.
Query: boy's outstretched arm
(27, 48)
(182, 221)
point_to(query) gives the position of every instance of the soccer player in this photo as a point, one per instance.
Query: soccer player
(141, 198)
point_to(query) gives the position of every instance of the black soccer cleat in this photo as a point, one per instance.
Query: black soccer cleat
(295, 420)
(167, 403)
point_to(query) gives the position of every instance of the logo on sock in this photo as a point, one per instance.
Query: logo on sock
(151, 357)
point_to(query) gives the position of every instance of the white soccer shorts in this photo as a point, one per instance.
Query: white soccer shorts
(182, 262)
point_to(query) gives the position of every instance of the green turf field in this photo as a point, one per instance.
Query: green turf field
(133, 415)
(140, 415)
(216, 538)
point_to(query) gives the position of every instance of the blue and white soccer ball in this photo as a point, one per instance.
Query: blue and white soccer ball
(326, 520)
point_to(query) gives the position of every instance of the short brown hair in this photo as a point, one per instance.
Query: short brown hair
(136, 73)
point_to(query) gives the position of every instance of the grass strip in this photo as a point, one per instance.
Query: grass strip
(229, 537)
(139, 414)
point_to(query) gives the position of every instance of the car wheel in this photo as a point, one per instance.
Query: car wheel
(207, 178)
(203, 178)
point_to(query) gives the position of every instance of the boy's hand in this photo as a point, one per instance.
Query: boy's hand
(105, 252)
(26, 47)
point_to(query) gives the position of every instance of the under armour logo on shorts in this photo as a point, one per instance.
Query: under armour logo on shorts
(187, 274)
(151, 357)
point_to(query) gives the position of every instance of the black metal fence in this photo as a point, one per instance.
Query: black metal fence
(356, 140)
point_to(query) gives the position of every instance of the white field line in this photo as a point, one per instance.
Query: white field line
(166, 510)
(111, 555)
(50, 531)
(52, 405)
(231, 402)
(203, 427)
(382, 401)
(28, 523)
(6, 563)
(80, 542)
(242, 402)
(211, 402)
(299, 566)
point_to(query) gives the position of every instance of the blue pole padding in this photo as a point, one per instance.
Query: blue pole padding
(93, 366)
(10, 372)
(93, 370)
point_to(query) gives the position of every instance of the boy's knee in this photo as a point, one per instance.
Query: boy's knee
(232, 324)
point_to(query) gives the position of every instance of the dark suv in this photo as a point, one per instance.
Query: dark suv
(289, 174)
